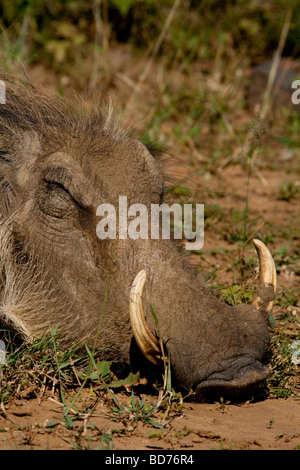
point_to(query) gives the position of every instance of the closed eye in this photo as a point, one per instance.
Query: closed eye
(56, 201)
(53, 185)
(60, 179)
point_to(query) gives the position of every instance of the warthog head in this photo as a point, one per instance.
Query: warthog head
(57, 165)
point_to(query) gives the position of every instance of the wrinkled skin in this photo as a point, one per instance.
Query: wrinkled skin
(55, 170)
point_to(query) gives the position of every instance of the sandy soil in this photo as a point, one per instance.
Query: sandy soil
(273, 424)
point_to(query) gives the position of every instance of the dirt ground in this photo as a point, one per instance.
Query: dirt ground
(273, 423)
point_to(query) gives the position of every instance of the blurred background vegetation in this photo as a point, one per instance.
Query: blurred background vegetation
(64, 33)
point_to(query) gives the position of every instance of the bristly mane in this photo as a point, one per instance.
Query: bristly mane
(29, 108)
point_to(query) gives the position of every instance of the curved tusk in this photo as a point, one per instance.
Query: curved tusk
(146, 341)
(267, 274)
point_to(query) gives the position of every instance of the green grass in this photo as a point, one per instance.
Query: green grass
(42, 369)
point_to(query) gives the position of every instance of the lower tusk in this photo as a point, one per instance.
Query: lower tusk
(146, 341)
(267, 275)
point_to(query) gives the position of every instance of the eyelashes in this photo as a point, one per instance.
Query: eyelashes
(55, 186)
(56, 201)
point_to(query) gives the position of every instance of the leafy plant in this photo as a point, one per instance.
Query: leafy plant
(280, 382)
(236, 294)
(136, 410)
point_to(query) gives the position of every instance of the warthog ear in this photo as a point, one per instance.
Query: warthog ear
(18, 153)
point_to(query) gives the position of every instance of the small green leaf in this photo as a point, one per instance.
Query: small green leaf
(94, 376)
(51, 424)
(169, 381)
(130, 380)
(154, 315)
(272, 321)
(68, 421)
(103, 368)
(132, 401)
(154, 423)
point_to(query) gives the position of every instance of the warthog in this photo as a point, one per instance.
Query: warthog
(57, 165)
